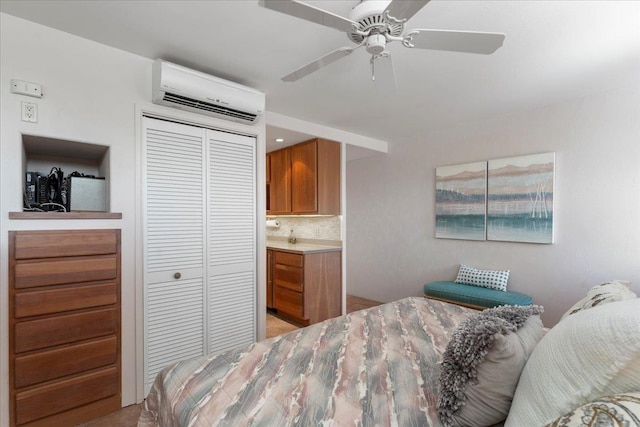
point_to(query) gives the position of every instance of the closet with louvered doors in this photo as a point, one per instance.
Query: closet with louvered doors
(199, 221)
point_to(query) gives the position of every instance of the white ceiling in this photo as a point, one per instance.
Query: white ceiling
(554, 51)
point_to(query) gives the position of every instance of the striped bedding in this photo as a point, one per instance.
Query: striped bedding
(374, 367)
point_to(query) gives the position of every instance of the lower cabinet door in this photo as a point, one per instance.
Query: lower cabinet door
(269, 278)
(289, 302)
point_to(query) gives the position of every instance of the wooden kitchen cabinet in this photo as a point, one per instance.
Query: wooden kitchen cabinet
(268, 168)
(279, 182)
(64, 326)
(304, 177)
(269, 278)
(268, 181)
(313, 182)
(315, 177)
(307, 287)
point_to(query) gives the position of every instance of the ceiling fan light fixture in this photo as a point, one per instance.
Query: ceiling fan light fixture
(376, 44)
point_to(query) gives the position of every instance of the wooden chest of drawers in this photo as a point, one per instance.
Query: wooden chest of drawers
(64, 326)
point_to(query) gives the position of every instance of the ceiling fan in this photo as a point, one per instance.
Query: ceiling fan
(373, 24)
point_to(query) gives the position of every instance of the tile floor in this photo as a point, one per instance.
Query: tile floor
(125, 417)
(277, 326)
(128, 417)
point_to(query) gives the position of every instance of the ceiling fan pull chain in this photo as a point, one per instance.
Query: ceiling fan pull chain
(383, 54)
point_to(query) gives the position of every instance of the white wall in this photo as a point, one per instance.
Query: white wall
(392, 249)
(92, 93)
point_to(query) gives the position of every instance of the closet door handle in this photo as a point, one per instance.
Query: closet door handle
(177, 275)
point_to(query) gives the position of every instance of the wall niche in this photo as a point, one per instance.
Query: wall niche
(41, 155)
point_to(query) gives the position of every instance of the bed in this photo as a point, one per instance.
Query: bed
(376, 367)
(422, 362)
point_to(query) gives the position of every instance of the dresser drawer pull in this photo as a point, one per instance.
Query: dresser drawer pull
(177, 275)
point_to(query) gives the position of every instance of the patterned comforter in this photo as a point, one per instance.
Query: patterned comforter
(374, 367)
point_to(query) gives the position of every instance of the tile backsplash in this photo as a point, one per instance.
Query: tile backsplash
(307, 227)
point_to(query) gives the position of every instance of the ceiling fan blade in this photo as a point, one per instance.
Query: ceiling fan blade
(309, 13)
(403, 9)
(384, 77)
(319, 63)
(459, 41)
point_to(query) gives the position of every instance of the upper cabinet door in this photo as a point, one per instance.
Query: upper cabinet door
(328, 177)
(268, 168)
(280, 182)
(304, 177)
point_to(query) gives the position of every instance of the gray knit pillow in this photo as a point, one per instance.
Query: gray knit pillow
(482, 364)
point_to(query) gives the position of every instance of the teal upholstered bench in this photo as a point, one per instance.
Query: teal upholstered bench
(473, 296)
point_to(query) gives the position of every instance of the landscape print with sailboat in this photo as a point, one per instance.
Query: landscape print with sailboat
(520, 198)
(461, 201)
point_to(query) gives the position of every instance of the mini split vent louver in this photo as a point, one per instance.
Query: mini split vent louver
(191, 90)
(206, 106)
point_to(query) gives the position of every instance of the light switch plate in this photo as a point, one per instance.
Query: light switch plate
(26, 88)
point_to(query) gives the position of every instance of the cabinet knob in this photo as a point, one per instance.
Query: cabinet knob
(177, 275)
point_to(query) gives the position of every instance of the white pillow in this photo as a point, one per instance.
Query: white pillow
(617, 410)
(591, 353)
(616, 290)
(492, 279)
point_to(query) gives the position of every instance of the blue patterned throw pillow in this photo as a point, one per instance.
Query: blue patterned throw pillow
(492, 279)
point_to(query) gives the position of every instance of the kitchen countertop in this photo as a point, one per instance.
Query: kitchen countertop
(304, 246)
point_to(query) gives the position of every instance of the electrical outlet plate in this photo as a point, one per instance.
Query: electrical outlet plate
(26, 88)
(29, 112)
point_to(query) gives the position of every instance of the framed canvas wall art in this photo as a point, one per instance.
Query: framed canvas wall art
(520, 193)
(461, 192)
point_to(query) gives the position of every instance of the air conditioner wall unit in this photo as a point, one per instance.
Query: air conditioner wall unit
(181, 87)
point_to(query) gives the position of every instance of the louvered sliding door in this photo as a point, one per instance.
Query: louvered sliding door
(199, 193)
(175, 233)
(232, 240)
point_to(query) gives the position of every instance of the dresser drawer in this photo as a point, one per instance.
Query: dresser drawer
(66, 394)
(41, 333)
(289, 302)
(285, 258)
(64, 243)
(288, 277)
(51, 364)
(59, 271)
(48, 301)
